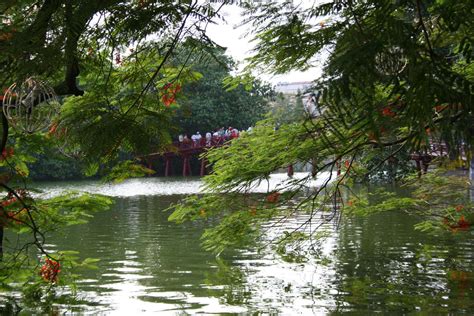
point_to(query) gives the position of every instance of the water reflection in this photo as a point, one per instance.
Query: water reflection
(383, 264)
(168, 186)
(149, 265)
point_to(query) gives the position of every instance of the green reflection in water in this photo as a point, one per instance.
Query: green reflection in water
(150, 264)
(384, 265)
(377, 263)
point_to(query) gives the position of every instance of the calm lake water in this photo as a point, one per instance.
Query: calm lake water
(149, 265)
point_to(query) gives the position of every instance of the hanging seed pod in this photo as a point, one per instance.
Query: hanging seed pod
(30, 106)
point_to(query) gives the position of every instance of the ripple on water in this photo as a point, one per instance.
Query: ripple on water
(164, 186)
(151, 266)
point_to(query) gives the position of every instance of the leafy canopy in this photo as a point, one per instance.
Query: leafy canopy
(205, 105)
(116, 102)
(399, 75)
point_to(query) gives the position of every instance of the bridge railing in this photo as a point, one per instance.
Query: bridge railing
(215, 141)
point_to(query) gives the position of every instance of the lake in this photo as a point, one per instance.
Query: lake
(151, 266)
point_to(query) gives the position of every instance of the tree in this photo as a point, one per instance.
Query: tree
(399, 75)
(288, 108)
(207, 105)
(39, 36)
(117, 87)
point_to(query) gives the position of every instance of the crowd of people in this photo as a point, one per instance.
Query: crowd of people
(214, 138)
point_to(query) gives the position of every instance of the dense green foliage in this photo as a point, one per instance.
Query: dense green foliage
(118, 89)
(437, 197)
(62, 35)
(288, 108)
(399, 75)
(122, 83)
(207, 106)
(51, 164)
(54, 166)
(116, 114)
(35, 219)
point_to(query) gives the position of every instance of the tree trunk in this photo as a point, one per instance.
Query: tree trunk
(1, 242)
(471, 177)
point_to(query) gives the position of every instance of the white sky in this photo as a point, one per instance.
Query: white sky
(231, 36)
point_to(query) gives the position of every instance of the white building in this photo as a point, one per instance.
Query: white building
(292, 87)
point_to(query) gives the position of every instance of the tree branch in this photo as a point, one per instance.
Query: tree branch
(425, 31)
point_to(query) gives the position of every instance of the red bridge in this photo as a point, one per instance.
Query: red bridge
(184, 152)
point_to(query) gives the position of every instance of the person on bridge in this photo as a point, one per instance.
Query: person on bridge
(215, 138)
(208, 139)
(234, 133)
(198, 139)
(221, 132)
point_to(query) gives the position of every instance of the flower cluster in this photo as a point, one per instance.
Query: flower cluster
(461, 224)
(8, 201)
(11, 210)
(169, 92)
(15, 217)
(50, 270)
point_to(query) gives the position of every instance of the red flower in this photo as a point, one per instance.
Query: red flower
(167, 100)
(50, 270)
(440, 108)
(53, 128)
(8, 202)
(169, 92)
(462, 223)
(273, 197)
(386, 111)
(7, 153)
(14, 216)
(459, 207)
